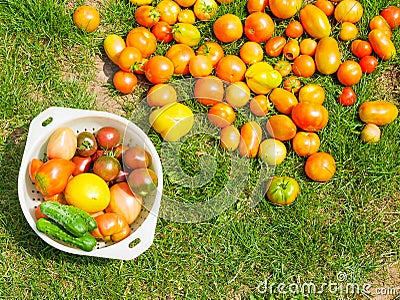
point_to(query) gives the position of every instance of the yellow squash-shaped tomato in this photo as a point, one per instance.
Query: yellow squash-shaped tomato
(261, 78)
(62, 144)
(285, 9)
(314, 21)
(113, 45)
(378, 112)
(172, 121)
(185, 33)
(381, 44)
(327, 56)
(348, 11)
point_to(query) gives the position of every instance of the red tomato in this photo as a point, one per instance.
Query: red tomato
(180, 56)
(361, 48)
(159, 69)
(86, 18)
(259, 27)
(304, 66)
(143, 39)
(111, 226)
(52, 177)
(347, 97)
(291, 50)
(274, 46)
(326, 6)
(310, 116)
(256, 5)
(82, 164)
(221, 114)
(213, 50)
(108, 137)
(228, 28)
(391, 15)
(169, 11)
(349, 73)
(281, 127)
(162, 31)
(292, 84)
(129, 58)
(147, 15)
(320, 166)
(368, 64)
(251, 52)
(283, 67)
(200, 66)
(305, 143)
(125, 82)
(209, 90)
(231, 68)
(294, 29)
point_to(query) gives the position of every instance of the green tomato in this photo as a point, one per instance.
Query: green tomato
(283, 190)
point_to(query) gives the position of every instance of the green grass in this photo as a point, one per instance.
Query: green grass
(348, 224)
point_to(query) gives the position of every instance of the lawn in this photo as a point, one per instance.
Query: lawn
(337, 234)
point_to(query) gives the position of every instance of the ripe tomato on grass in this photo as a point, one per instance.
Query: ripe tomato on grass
(162, 31)
(349, 73)
(86, 18)
(294, 29)
(125, 82)
(368, 64)
(320, 166)
(159, 69)
(304, 66)
(231, 68)
(180, 56)
(347, 97)
(213, 50)
(310, 116)
(221, 114)
(259, 27)
(143, 39)
(228, 28)
(305, 143)
(274, 46)
(209, 90)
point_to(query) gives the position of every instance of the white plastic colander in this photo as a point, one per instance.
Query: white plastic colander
(41, 127)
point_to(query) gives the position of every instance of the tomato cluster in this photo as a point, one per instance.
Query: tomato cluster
(226, 83)
(96, 173)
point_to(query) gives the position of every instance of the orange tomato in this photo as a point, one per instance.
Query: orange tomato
(237, 94)
(259, 27)
(230, 138)
(283, 100)
(315, 22)
(128, 58)
(379, 22)
(312, 92)
(274, 46)
(291, 50)
(361, 48)
(231, 68)
(348, 31)
(308, 46)
(294, 29)
(86, 18)
(292, 84)
(200, 66)
(169, 11)
(310, 116)
(284, 9)
(349, 73)
(304, 66)
(281, 127)
(256, 5)
(251, 52)
(180, 55)
(250, 139)
(186, 16)
(228, 28)
(305, 143)
(348, 11)
(161, 94)
(327, 56)
(159, 69)
(283, 67)
(320, 166)
(326, 6)
(142, 39)
(125, 82)
(147, 15)
(381, 44)
(221, 114)
(209, 90)
(259, 105)
(213, 50)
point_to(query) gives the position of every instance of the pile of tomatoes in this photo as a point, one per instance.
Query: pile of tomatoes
(96, 173)
(226, 83)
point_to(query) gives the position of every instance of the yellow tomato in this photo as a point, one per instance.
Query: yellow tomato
(87, 191)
